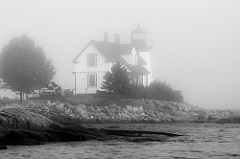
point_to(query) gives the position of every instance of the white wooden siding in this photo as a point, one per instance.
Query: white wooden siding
(82, 85)
(148, 66)
(81, 65)
(82, 70)
(129, 58)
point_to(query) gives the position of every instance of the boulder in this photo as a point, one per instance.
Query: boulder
(3, 147)
(128, 108)
(123, 116)
(18, 118)
(58, 106)
(82, 106)
(3, 121)
(48, 104)
(149, 105)
(79, 111)
(112, 110)
(135, 110)
(45, 108)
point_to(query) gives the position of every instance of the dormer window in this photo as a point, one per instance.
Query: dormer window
(92, 60)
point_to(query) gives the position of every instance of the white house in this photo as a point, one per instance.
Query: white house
(97, 57)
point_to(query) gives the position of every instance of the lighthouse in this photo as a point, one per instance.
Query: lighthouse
(139, 41)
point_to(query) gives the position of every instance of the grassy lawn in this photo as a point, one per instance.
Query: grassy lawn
(8, 101)
(86, 99)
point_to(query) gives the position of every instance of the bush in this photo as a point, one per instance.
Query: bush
(157, 90)
(67, 93)
(162, 91)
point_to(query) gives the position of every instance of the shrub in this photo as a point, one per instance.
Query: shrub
(67, 93)
(162, 91)
(157, 90)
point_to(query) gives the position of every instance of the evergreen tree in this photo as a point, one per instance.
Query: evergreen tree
(117, 80)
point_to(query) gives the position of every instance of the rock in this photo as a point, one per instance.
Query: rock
(67, 106)
(135, 110)
(3, 121)
(112, 110)
(58, 106)
(34, 135)
(79, 111)
(26, 142)
(11, 123)
(45, 108)
(18, 118)
(13, 135)
(141, 109)
(150, 106)
(123, 116)
(112, 105)
(166, 107)
(98, 116)
(125, 111)
(142, 114)
(229, 119)
(22, 123)
(3, 147)
(128, 108)
(82, 106)
(48, 104)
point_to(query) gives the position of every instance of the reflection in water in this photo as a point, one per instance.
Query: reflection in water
(201, 142)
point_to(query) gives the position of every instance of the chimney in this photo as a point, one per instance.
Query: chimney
(117, 38)
(105, 36)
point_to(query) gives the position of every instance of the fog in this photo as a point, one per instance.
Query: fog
(195, 43)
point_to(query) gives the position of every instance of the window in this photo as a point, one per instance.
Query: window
(141, 36)
(92, 80)
(92, 60)
(135, 36)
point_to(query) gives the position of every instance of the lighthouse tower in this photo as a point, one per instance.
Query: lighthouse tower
(139, 41)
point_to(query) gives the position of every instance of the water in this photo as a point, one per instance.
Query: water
(203, 141)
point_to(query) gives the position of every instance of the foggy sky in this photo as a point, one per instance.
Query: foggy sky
(196, 43)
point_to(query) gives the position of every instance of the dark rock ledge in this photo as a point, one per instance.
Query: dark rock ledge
(19, 126)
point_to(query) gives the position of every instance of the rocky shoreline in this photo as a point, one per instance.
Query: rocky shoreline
(34, 123)
(20, 126)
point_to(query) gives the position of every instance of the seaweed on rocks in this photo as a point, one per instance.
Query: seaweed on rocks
(3, 147)
(20, 126)
(63, 133)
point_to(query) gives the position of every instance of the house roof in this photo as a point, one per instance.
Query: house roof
(141, 61)
(138, 69)
(113, 52)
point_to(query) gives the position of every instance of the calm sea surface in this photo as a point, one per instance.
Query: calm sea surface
(202, 141)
